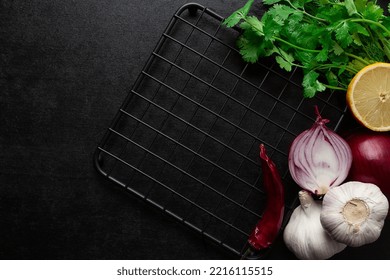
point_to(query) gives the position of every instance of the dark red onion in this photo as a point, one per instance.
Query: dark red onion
(319, 158)
(371, 158)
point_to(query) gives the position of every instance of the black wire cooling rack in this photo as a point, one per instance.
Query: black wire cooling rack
(186, 139)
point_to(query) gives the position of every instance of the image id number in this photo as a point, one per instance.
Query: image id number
(240, 270)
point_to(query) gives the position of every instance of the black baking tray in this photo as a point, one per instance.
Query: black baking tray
(186, 138)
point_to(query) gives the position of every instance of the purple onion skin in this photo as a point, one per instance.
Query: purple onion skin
(370, 158)
(319, 158)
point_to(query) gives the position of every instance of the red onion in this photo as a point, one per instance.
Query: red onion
(371, 158)
(319, 158)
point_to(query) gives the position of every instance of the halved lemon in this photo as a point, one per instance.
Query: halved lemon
(368, 96)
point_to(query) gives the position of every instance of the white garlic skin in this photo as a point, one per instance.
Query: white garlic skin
(304, 234)
(359, 233)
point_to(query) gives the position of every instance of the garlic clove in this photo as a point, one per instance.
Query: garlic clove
(304, 234)
(354, 213)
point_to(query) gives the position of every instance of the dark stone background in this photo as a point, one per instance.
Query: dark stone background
(65, 68)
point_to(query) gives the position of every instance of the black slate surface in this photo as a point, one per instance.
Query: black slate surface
(65, 68)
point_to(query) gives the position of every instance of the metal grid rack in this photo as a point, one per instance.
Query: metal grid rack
(186, 138)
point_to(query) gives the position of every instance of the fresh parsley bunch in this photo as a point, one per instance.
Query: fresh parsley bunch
(331, 40)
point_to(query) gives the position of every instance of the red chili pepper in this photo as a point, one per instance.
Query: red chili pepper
(269, 225)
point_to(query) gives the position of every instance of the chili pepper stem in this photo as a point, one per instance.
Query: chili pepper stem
(247, 252)
(251, 253)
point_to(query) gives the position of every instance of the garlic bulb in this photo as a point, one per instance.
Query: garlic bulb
(304, 235)
(354, 213)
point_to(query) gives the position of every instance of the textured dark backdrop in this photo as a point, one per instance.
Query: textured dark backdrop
(65, 68)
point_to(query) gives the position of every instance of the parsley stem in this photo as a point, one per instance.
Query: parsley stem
(335, 87)
(373, 34)
(386, 46)
(358, 58)
(378, 24)
(295, 46)
(387, 51)
(328, 66)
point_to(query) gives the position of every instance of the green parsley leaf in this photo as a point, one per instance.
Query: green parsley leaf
(331, 78)
(386, 22)
(351, 8)
(342, 69)
(248, 49)
(356, 27)
(270, 2)
(360, 5)
(356, 39)
(283, 64)
(311, 84)
(356, 30)
(373, 12)
(271, 27)
(284, 59)
(322, 56)
(238, 15)
(307, 59)
(311, 34)
(337, 49)
(375, 52)
(332, 14)
(249, 43)
(233, 19)
(254, 24)
(328, 39)
(300, 3)
(338, 59)
(356, 64)
(343, 36)
(292, 28)
(280, 13)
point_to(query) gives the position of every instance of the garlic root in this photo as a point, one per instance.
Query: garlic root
(354, 213)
